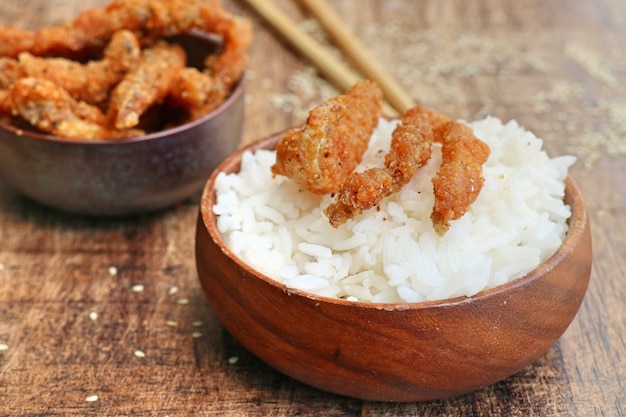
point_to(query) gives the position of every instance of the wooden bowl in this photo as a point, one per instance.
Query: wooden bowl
(394, 352)
(127, 176)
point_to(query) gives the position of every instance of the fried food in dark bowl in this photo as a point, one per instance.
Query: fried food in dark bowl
(125, 176)
(135, 120)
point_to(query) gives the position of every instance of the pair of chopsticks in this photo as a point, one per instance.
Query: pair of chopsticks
(397, 101)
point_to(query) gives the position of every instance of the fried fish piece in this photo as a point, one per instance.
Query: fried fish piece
(86, 35)
(196, 91)
(146, 84)
(90, 82)
(91, 30)
(232, 60)
(410, 149)
(51, 109)
(9, 72)
(14, 41)
(460, 177)
(320, 155)
(456, 185)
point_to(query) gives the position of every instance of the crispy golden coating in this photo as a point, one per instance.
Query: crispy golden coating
(196, 91)
(150, 19)
(456, 185)
(146, 84)
(460, 177)
(411, 144)
(91, 57)
(361, 191)
(9, 72)
(200, 92)
(51, 109)
(90, 82)
(13, 41)
(233, 59)
(321, 155)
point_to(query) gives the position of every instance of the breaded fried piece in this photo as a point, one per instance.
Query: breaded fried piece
(456, 185)
(411, 144)
(90, 82)
(51, 109)
(201, 91)
(196, 91)
(151, 19)
(146, 84)
(13, 41)
(9, 72)
(231, 62)
(361, 191)
(321, 155)
(460, 177)
(106, 42)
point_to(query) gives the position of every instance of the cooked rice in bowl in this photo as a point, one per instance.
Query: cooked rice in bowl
(391, 253)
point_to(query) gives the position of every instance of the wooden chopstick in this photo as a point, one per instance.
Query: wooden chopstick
(332, 68)
(360, 56)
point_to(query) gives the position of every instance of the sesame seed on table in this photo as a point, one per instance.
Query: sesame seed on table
(106, 316)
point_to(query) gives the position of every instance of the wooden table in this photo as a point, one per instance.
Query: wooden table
(112, 308)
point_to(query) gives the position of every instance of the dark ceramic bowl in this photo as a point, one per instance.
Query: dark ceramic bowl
(121, 177)
(394, 352)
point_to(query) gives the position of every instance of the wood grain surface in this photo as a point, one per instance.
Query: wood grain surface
(113, 308)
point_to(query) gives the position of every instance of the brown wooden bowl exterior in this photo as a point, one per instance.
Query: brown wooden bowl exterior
(394, 352)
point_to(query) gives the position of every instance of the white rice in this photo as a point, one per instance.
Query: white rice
(391, 253)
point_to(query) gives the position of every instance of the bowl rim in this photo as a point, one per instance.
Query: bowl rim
(577, 223)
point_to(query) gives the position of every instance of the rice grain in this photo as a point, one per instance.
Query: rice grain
(391, 254)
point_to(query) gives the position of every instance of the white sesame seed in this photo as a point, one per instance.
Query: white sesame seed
(140, 354)
(137, 288)
(91, 398)
(93, 315)
(3, 346)
(173, 290)
(196, 335)
(183, 301)
(112, 271)
(233, 360)
(197, 323)
(171, 323)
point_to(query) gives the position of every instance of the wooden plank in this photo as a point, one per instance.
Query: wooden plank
(557, 67)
